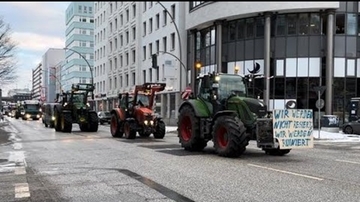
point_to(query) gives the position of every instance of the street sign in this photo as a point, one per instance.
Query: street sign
(319, 88)
(320, 103)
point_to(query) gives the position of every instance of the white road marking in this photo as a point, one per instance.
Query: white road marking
(286, 172)
(345, 161)
(20, 170)
(17, 146)
(22, 190)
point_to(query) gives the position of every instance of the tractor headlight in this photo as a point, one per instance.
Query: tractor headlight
(22, 113)
(65, 104)
(88, 104)
(146, 122)
(27, 115)
(38, 116)
(40, 110)
(151, 122)
(53, 118)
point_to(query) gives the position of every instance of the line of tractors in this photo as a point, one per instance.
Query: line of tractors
(219, 110)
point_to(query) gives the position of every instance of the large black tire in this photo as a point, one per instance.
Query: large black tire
(57, 121)
(160, 130)
(93, 122)
(189, 130)
(130, 129)
(115, 126)
(66, 123)
(229, 136)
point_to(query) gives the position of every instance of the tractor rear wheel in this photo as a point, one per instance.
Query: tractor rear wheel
(115, 126)
(93, 122)
(160, 130)
(130, 130)
(229, 136)
(189, 130)
(66, 123)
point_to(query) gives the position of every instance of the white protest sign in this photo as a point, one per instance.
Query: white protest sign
(293, 128)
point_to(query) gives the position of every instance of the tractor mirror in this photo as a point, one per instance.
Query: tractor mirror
(57, 96)
(119, 96)
(92, 96)
(206, 80)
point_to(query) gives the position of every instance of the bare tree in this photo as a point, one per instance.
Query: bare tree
(7, 58)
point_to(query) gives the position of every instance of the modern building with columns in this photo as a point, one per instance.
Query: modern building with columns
(298, 46)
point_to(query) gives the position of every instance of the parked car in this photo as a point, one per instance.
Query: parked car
(352, 127)
(104, 117)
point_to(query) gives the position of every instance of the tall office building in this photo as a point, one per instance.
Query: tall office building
(127, 34)
(79, 54)
(36, 82)
(49, 61)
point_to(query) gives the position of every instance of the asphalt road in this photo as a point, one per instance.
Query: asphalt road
(40, 164)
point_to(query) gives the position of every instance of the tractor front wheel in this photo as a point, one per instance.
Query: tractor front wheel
(229, 136)
(189, 130)
(160, 130)
(66, 123)
(130, 130)
(115, 127)
(93, 122)
(57, 120)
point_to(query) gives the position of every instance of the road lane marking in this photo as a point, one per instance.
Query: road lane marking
(345, 161)
(286, 172)
(20, 170)
(22, 190)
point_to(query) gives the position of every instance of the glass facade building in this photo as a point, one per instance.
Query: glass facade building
(301, 48)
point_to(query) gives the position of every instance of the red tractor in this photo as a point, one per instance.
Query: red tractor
(135, 113)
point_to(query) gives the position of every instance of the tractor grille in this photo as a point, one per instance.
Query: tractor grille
(264, 130)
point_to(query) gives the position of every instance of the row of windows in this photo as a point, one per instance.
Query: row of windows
(195, 4)
(85, 9)
(157, 21)
(157, 46)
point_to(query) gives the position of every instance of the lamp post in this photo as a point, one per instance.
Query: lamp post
(90, 68)
(87, 62)
(180, 48)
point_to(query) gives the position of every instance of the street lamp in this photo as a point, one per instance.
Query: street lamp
(179, 38)
(87, 62)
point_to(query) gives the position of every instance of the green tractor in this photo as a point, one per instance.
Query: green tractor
(222, 112)
(73, 107)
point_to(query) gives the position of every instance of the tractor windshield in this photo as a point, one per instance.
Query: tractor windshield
(32, 107)
(231, 84)
(78, 100)
(142, 100)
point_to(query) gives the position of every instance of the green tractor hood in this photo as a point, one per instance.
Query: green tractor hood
(248, 109)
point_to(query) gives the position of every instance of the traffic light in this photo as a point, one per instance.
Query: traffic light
(154, 61)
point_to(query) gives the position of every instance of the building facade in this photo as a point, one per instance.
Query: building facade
(36, 82)
(298, 47)
(127, 35)
(49, 61)
(79, 55)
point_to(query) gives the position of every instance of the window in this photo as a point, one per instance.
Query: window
(144, 6)
(127, 37)
(144, 28)
(115, 82)
(127, 79)
(80, 9)
(314, 23)
(144, 76)
(291, 26)
(127, 15)
(115, 62)
(351, 24)
(340, 23)
(85, 9)
(232, 31)
(164, 44)
(150, 49)
(157, 44)
(121, 61)
(116, 23)
(303, 24)
(240, 30)
(90, 10)
(150, 75)
(259, 27)
(157, 21)
(150, 25)
(121, 20)
(126, 59)
(91, 44)
(280, 25)
(144, 52)
(133, 56)
(121, 40)
(172, 41)
(173, 11)
(91, 20)
(164, 17)
(111, 27)
(250, 28)
(115, 42)
(134, 10)
(134, 33)
(133, 78)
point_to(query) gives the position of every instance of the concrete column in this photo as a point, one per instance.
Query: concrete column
(218, 43)
(267, 38)
(168, 109)
(191, 58)
(329, 61)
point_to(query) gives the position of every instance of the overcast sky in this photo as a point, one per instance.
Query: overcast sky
(36, 27)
